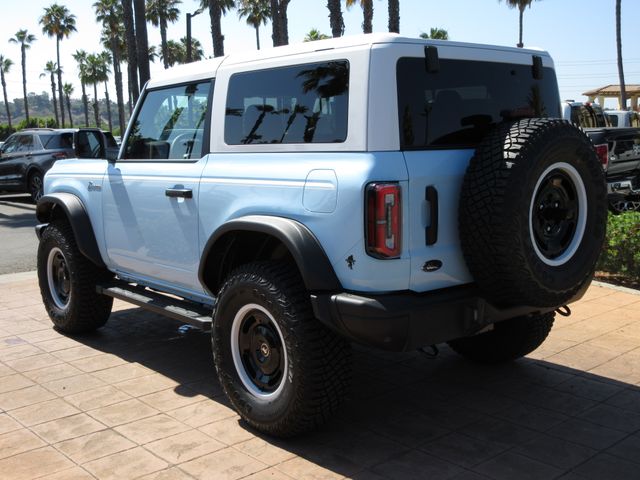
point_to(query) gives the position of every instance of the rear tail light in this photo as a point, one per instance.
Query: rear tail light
(603, 154)
(383, 220)
(60, 155)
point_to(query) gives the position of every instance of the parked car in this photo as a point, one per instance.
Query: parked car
(390, 191)
(28, 154)
(623, 118)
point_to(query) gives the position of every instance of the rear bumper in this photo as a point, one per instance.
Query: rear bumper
(406, 321)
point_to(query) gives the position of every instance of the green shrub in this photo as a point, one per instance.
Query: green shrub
(621, 251)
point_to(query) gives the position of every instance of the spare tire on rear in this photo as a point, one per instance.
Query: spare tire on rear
(533, 213)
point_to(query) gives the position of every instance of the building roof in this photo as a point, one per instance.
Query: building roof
(613, 91)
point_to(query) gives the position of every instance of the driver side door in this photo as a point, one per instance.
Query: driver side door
(150, 197)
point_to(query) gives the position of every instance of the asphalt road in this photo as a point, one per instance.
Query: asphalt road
(18, 242)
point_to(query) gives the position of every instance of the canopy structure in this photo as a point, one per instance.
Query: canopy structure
(613, 91)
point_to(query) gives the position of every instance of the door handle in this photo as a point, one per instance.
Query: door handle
(431, 232)
(179, 193)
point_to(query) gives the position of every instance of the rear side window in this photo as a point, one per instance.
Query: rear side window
(170, 123)
(299, 104)
(57, 141)
(458, 105)
(589, 117)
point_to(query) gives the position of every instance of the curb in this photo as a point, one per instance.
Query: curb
(618, 288)
(17, 277)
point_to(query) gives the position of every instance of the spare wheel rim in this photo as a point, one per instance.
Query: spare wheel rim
(558, 214)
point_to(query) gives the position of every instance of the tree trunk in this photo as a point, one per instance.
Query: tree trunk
(394, 16)
(623, 89)
(106, 96)
(24, 82)
(215, 15)
(85, 102)
(367, 10)
(69, 109)
(275, 23)
(142, 42)
(335, 18)
(284, 23)
(132, 53)
(279, 22)
(55, 102)
(60, 83)
(520, 44)
(133, 92)
(258, 36)
(6, 102)
(96, 109)
(163, 43)
(117, 74)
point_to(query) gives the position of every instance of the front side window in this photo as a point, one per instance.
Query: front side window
(458, 105)
(19, 144)
(170, 124)
(299, 104)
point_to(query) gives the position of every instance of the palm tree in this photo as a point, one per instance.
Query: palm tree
(5, 66)
(67, 89)
(520, 5)
(175, 53)
(257, 12)
(367, 11)
(132, 52)
(436, 34)
(142, 41)
(105, 60)
(279, 22)
(159, 13)
(25, 39)
(109, 12)
(197, 52)
(58, 22)
(315, 34)
(51, 68)
(335, 18)
(96, 73)
(394, 16)
(81, 58)
(217, 8)
(623, 89)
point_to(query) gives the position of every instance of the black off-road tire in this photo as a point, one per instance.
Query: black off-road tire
(504, 239)
(508, 340)
(75, 307)
(316, 369)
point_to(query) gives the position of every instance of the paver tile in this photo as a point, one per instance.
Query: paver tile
(151, 428)
(127, 464)
(184, 446)
(587, 433)
(75, 473)
(18, 441)
(628, 448)
(34, 464)
(8, 424)
(75, 384)
(123, 412)
(170, 399)
(417, 465)
(229, 431)
(173, 473)
(230, 465)
(556, 452)
(202, 413)
(463, 450)
(511, 465)
(43, 412)
(33, 362)
(608, 467)
(97, 398)
(14, 382)
(55, 372)
(98, 362)
(137, 387)
(95, 445)
(612, 417)
(24, 397)
(122, 372)
(67, 427)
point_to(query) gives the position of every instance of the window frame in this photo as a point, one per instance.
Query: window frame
(206, 134)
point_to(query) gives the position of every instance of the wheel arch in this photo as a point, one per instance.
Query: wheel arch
(259, 237)
(69, 206)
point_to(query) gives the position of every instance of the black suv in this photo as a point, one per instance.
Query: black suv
(27, 155)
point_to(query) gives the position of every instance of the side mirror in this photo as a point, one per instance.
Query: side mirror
(111, 154)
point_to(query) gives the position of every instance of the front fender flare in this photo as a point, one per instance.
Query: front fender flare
(312, 262)
(75, 212)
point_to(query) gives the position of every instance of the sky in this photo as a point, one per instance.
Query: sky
(579, 34)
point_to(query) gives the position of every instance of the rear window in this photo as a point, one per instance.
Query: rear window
(56, 141)
(299, 104)
(588, 116)
(457, 105)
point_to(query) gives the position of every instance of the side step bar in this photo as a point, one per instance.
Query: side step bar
(194, 314)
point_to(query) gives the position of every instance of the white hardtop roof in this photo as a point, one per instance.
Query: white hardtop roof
(207, 68)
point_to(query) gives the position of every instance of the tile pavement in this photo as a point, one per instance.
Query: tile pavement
(139, 399)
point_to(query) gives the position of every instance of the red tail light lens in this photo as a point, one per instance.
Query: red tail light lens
(603, 154)
(60, 155)
(384, 220)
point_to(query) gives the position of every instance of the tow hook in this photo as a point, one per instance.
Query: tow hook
(564, 310)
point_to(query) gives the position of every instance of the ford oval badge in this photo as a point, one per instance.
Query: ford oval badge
(431, 266)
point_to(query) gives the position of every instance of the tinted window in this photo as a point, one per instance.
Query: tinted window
(613, 120)
(301, 104)
(57, 140)
(460, 103)
(19, 143)
(170, 123)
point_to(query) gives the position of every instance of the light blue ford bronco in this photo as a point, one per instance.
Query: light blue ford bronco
(390, 191)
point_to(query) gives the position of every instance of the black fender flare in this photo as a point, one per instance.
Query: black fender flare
(312, 262)
(75, 212)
